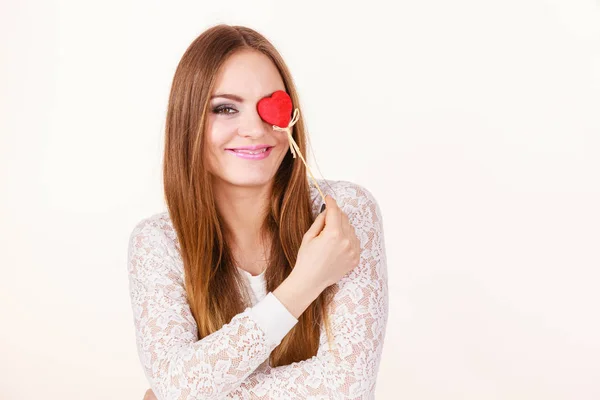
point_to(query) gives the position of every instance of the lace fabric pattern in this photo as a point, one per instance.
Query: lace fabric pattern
(232, 362)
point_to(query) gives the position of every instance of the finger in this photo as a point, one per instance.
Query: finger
(149, 395)
(356, 239)
(351, 231)
(349, 223)
(334, 214)
(317, 226)
(346, 225)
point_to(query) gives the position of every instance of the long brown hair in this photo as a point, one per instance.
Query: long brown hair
(212, 280)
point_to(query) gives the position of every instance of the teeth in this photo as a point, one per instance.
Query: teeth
(251, 151)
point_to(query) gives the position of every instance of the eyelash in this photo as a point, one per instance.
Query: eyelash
(219, 109)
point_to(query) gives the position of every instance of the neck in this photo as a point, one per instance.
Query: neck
(243, 209)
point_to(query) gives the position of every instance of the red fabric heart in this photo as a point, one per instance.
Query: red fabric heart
(277, 109)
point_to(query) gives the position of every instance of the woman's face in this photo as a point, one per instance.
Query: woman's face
(233, 121)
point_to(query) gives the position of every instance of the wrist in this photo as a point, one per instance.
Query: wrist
(297, 293)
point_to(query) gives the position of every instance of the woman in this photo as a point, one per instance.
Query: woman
(245, 287)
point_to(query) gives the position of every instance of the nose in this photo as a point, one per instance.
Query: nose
(252, 125)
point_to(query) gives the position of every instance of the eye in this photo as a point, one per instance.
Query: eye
(224, 109)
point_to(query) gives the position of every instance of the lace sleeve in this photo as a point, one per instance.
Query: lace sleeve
(177, 364)
(347, 370)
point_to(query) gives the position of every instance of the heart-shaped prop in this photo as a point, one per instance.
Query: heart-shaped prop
(276, 110)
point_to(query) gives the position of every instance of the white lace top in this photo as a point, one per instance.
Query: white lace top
(232, 363)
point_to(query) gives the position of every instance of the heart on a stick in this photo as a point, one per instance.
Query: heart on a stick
(277, 109)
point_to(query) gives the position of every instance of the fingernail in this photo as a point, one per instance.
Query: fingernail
(322, 208)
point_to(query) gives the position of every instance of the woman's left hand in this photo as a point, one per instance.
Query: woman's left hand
(149, 395)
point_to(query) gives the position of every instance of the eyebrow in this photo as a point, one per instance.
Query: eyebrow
(228, 96)
(234, 97)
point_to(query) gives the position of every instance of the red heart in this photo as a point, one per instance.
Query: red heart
(277, 109)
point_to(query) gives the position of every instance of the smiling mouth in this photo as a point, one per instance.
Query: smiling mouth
(259, 154)
(241, 151)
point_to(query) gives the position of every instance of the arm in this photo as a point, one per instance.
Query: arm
(359, 318)
(177, 364)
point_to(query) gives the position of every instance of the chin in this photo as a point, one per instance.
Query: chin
(248, 181)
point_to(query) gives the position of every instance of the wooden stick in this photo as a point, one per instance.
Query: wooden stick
(294, 147)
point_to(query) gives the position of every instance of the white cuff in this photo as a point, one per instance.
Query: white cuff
(273, 317)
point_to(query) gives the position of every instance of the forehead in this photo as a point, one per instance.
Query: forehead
(248, 74)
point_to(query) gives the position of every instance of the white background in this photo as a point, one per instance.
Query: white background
(474, 123)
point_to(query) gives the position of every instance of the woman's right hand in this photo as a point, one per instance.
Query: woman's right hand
(330, 248)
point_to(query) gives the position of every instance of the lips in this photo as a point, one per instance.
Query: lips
(251, 149)
(245, 151)
(259, 154)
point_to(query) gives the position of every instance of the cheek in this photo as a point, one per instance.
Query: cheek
(219, 133)
(281, 139)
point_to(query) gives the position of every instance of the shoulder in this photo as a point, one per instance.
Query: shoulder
(351, 192)
(357, 202)
(153, 236)
(155, 226)
(351, 197)
(364, 214)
